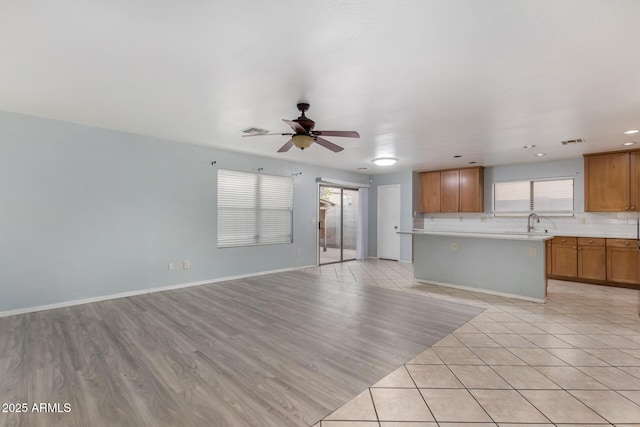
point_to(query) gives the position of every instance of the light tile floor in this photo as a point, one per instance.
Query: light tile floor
(574, 360)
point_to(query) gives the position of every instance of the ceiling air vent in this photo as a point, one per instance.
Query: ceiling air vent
(573, 141)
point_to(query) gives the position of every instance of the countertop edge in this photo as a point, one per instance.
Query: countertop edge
(496, 236)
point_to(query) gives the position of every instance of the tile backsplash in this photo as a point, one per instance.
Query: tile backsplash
(621, 224)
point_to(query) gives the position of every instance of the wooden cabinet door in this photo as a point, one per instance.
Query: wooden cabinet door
(607, 182)
(471, 190)
(623, 261)
(450, 195)
(430, 192)
(634, 189)
(564, 260)
(592, 262)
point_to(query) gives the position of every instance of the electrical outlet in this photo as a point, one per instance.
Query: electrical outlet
(533, 251)
(172, 266)
(584, 220)
(454, 247)
(186, 264)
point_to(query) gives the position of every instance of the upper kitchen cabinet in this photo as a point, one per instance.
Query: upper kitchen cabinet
(430, 192)
(452, 190)
(472, 190)
(612, 181)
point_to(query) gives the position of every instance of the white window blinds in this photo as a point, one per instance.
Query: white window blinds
(549, 196)
(254, 209)
(554, 196)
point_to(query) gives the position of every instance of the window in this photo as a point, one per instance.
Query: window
(544, 196)
(254, 209)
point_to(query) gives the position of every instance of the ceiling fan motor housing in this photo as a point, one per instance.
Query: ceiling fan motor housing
(303, 120)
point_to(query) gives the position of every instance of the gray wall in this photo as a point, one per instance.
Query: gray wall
(406, 181)
(89, 212)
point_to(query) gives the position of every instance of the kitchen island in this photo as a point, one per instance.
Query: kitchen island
(506, 264)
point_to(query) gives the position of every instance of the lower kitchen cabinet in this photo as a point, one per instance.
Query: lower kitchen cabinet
(623, 261)
(592, 258)
(564, 256)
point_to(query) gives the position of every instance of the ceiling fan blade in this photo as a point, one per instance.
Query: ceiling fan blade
(330, 145)
(265, 134)
(286, 146)
(342, 133)
(295, 126)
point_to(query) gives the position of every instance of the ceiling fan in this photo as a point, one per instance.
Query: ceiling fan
(304, 135)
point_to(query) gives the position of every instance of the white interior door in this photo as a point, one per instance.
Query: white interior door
(389, 221)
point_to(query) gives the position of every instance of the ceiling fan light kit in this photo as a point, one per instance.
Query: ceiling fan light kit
(304, 134)
(302, 141)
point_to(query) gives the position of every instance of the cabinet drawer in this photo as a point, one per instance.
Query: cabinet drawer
(564, 240)
(620, 243)
(591, 241)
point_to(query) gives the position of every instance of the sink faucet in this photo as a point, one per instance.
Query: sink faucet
(530, 224)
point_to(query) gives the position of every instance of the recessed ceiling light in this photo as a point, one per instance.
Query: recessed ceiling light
(631, 132)
(540, 154)
(472, 163)
(385, 161)
(362, 169)
(529, 146)
(629, 143)
(457, 156)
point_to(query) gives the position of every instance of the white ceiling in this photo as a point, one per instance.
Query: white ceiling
(421, 80)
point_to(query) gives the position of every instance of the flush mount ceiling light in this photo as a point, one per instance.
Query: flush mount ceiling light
(385, 161)
(528, 146)
(631, 132)
(629, 143)
(540, 154)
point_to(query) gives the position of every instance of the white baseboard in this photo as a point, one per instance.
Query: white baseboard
(141, 292)
(482, 291)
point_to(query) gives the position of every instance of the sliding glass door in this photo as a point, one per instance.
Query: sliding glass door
(338, 224)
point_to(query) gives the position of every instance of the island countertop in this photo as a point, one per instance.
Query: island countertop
(530, 237)
(551, 233)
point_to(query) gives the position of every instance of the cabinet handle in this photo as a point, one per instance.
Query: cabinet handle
(563, 240)
(626, 208)
(626, 243)
(579, 248)
(590, 241)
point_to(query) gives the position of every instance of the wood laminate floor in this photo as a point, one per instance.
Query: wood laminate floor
(276, 350)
